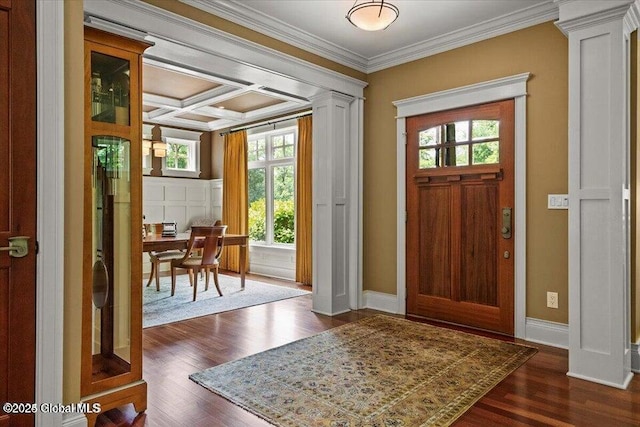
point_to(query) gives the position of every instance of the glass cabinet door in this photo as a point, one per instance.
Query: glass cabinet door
(110, 78)
(111, 256)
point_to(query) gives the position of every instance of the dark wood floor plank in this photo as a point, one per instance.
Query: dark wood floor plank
(537, 394)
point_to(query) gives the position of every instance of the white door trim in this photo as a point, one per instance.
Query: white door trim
(494, 90)
(50, 207)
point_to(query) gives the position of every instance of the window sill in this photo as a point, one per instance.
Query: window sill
(180, 173)
(264, 246)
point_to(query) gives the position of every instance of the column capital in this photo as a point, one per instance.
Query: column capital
(580, 14)
(329, 95)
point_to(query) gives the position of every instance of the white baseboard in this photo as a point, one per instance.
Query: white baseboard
(74, 420)
(622, 386)
(548, 333)
(635, 357)
(380, 301)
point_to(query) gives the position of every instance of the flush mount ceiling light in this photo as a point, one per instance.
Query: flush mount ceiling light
(372, 15)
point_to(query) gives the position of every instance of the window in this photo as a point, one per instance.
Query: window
(464, 143)
(182, 156)
(271, 157)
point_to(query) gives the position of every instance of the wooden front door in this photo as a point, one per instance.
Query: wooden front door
(17, 205)
(460, 186)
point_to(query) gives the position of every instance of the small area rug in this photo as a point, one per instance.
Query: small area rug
(378, 371)
(159, 308)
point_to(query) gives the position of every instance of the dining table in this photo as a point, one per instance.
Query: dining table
(158, 242)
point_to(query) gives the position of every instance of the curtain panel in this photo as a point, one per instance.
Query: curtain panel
(235, 196)
(304, 205)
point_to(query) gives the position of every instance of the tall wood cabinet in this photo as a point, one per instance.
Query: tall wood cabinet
(111, 367)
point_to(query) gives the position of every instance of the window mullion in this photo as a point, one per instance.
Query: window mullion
(269, 204)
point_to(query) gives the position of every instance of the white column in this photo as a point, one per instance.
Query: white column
(331, 211)
(599, 340)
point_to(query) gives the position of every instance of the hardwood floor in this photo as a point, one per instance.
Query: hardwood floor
(538, 393)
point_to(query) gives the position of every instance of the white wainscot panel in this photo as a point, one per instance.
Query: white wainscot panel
(175, 193)
(154, 193)
(175, 199)
(197, 211)
(153, 212)
(196, 194)
(177, 214)
(273, 261)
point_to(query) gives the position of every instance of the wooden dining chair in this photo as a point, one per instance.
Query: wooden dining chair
(158, 257)
(209, 241)
(204, 221)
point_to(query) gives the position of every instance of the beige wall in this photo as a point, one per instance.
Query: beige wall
(217, 154)
(541, 50)
(73, 199)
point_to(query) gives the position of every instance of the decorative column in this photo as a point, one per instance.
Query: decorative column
(599, 321)
(331, 216)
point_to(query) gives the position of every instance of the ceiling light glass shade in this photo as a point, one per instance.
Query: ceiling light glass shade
(372, 15)
(146, 147)
(159, 149)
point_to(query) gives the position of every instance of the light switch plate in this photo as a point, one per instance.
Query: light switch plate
(558, 201)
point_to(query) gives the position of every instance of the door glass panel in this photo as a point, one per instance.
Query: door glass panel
(461, 131)
(485, 129)
(428, 137)
(462, 155)
(111, 256)
(485, 153)
(428, 157)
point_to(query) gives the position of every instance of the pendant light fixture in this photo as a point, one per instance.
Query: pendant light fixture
(372, 15)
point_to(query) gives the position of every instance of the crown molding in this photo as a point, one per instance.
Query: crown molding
(504, 24)
(235, 11)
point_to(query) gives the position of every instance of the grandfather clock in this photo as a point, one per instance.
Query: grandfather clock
(111, 366)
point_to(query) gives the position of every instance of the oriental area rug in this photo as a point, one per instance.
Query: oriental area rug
(379, 371)
(159, 308)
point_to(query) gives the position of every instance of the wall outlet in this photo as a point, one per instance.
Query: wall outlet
(552, 299)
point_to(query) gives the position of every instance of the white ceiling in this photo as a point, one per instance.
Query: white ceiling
(424, 27)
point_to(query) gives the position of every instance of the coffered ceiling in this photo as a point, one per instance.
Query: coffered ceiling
(179, 96)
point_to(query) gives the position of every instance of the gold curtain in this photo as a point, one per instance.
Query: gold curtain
(304, 201)
(234, 196)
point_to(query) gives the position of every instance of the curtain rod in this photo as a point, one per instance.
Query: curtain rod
(270, 122)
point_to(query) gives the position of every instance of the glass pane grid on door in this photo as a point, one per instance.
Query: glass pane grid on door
(462, 143)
